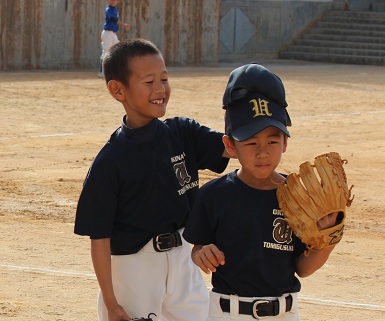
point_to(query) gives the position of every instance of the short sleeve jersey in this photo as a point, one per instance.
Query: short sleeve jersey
(144, 181)
(111, 19)
(247, 225)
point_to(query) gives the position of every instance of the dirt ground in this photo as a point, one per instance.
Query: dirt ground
(52, 124)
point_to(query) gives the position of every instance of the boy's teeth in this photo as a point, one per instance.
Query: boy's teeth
(158, 101)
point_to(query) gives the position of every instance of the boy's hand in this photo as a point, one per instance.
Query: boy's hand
(117, 314)
(328, 221)
(207, 257)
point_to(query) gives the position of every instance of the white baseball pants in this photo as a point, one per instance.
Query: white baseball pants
(168, 284)
(108, 39)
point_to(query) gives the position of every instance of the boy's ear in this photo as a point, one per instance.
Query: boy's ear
(115, 89)
(285, 140)
(229, 145)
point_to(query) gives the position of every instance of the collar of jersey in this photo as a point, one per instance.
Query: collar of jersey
(146, 134)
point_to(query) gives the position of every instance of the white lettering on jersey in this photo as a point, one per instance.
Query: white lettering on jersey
(282, 234)
(281, 247)
(181, 174)
(187, 187)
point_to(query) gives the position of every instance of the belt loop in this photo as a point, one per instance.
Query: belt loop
(282, 305)
(294, 305)
(234, 307)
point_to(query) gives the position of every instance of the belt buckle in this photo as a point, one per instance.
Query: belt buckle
(255, 309)
(157, 243)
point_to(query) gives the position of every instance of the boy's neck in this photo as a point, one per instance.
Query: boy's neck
(130, 125)
(268, 183)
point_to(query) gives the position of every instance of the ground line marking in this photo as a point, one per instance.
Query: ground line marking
(303, 298)
(343, 303)
(29, 268)
(48, 135)
(208, 124)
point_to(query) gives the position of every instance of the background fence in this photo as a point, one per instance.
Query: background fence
(65, 34)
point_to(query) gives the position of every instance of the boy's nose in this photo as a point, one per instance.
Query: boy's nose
(261, 151)
(160, 88)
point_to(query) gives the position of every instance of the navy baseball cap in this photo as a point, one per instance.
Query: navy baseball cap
(254, 99)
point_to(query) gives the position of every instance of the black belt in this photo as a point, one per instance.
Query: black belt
(166, 241)
(258, 308)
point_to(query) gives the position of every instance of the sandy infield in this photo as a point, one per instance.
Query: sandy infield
(52, 124)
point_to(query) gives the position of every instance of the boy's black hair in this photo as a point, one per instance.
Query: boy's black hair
(117, 60)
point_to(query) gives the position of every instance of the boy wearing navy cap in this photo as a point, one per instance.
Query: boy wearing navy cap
(237, 228)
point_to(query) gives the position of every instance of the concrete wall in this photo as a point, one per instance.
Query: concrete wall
(65, 34)
(261, 28)
(50, 34)
(186, 31)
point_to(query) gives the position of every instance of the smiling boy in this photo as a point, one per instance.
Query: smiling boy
(138, 194)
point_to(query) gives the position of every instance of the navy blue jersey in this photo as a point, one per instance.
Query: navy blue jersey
(111, 19)
(144, 181)
(247, 225)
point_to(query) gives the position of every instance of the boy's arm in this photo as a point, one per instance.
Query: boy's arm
(101, 259)
(315, 259)
(307, 265)
(124, 25)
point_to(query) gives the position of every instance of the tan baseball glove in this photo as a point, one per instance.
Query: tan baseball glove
(307, 197)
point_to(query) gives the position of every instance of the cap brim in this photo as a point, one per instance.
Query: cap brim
(253, 128)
